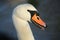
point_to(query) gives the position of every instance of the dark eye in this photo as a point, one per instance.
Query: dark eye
(38, 17)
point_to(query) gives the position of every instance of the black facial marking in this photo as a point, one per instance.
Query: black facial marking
(33, 12)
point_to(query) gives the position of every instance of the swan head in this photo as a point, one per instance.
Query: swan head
(29, 13)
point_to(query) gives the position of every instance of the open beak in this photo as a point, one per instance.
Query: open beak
(36, 19)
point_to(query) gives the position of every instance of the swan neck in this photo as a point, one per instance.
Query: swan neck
(23, 29)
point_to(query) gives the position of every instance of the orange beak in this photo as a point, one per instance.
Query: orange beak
(39, 21)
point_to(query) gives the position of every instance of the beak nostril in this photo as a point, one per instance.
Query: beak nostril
(38, 17)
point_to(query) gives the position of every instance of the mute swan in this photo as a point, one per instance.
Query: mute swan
(23, 14)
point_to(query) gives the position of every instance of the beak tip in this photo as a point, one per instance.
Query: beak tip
(45, 26)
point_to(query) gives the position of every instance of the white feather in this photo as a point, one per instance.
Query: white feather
(20, 18)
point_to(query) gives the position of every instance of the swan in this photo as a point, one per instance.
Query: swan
(22, 15)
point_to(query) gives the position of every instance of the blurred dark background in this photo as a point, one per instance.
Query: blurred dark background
(49, 12)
